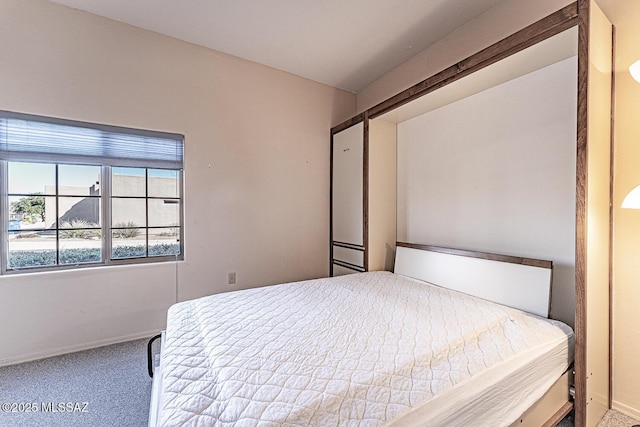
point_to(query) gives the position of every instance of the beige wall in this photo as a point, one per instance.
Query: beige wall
(256, 169)
(382, 194)
(598, 221)
(503, 20)
(626, 238)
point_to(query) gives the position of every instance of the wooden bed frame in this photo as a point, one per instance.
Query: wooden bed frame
(521, 283)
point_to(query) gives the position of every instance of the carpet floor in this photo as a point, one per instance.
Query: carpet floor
(107, 386)
(104, 387)
(616, 419)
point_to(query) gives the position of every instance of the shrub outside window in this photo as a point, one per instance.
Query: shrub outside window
(79, 194)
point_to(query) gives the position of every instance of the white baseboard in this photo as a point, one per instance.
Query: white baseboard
(627, 410)
(74, 348)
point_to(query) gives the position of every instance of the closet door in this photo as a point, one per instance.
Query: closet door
(347, 201)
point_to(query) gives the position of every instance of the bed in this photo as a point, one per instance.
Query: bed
(450, 338)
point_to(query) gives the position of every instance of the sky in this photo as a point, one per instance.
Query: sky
(30, 178)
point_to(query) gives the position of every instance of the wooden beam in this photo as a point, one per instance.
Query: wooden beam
(481, 255)
(549, 26)
(580, 403)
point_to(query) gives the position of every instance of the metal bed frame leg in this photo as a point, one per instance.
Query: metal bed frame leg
(150, 356)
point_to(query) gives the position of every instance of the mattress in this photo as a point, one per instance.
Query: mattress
(366, 349)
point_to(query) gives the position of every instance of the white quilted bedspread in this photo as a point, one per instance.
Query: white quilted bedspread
(352, 350)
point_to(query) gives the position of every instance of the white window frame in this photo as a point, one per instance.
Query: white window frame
(105, 197)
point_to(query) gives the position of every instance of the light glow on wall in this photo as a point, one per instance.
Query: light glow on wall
(634, 69)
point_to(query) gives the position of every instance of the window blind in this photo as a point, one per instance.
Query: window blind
(35, 138)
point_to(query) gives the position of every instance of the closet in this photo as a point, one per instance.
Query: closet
(575, 42)
(363, 196)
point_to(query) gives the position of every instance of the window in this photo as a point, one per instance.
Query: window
(78, 194)
(145, 219)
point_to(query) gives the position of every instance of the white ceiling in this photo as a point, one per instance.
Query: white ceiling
(343, 43)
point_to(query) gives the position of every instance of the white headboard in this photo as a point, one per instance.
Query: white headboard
(521, 283)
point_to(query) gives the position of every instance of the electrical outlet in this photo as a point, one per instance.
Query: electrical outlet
(231, 278)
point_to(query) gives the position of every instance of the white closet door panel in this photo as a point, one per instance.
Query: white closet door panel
(352, 256)
(339, 270)
(348, 149)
